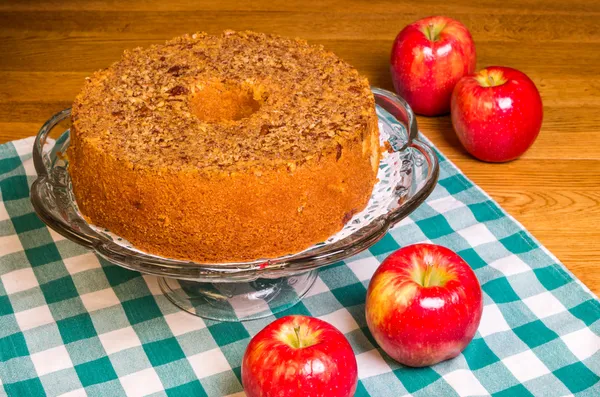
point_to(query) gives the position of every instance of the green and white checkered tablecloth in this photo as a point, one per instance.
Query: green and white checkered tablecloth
(73, 324)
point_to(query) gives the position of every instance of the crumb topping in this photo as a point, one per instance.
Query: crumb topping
(230, 102)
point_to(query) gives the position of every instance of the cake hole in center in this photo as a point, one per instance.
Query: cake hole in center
(223, 101)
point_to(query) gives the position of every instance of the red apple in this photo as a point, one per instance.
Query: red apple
(423, 305)
(428, 58)
(496, 113)
(299, 356)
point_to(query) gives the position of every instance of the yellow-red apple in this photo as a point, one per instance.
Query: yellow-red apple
(424, 304)
(496, 113)
(299, 356)
(428, 58)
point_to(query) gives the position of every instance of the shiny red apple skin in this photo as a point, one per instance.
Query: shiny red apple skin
(497, 123)
(421, 326)
(271, 367)
(424, 72)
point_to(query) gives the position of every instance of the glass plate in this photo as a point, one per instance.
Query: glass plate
(407, 174)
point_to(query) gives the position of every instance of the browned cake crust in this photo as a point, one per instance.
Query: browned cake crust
(224, 148)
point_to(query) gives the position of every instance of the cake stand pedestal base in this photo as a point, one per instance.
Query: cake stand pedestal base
(237, 301)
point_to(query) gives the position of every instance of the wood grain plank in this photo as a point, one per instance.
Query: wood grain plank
(326, 25)
(30, 112)
(559, 206)
(43, 86)
(532, 175)
(561, 136)
(13, 131)
(431, 7)
(371, 58)
(555, 91)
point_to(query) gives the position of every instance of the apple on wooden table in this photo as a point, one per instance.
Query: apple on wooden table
(424, 305)
(428, 57)
(496, 113)
(299, 356)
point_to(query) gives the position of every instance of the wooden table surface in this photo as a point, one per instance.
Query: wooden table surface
(48, 47)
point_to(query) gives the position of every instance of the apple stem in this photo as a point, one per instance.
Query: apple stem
(426, 277)
(491, 80)
(430, 32)
(297, 331)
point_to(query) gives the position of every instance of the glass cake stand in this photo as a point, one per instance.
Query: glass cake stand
(246, 290)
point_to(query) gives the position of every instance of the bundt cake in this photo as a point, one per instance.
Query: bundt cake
(224, 148)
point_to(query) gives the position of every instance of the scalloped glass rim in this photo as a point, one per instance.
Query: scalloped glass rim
(53, 201)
